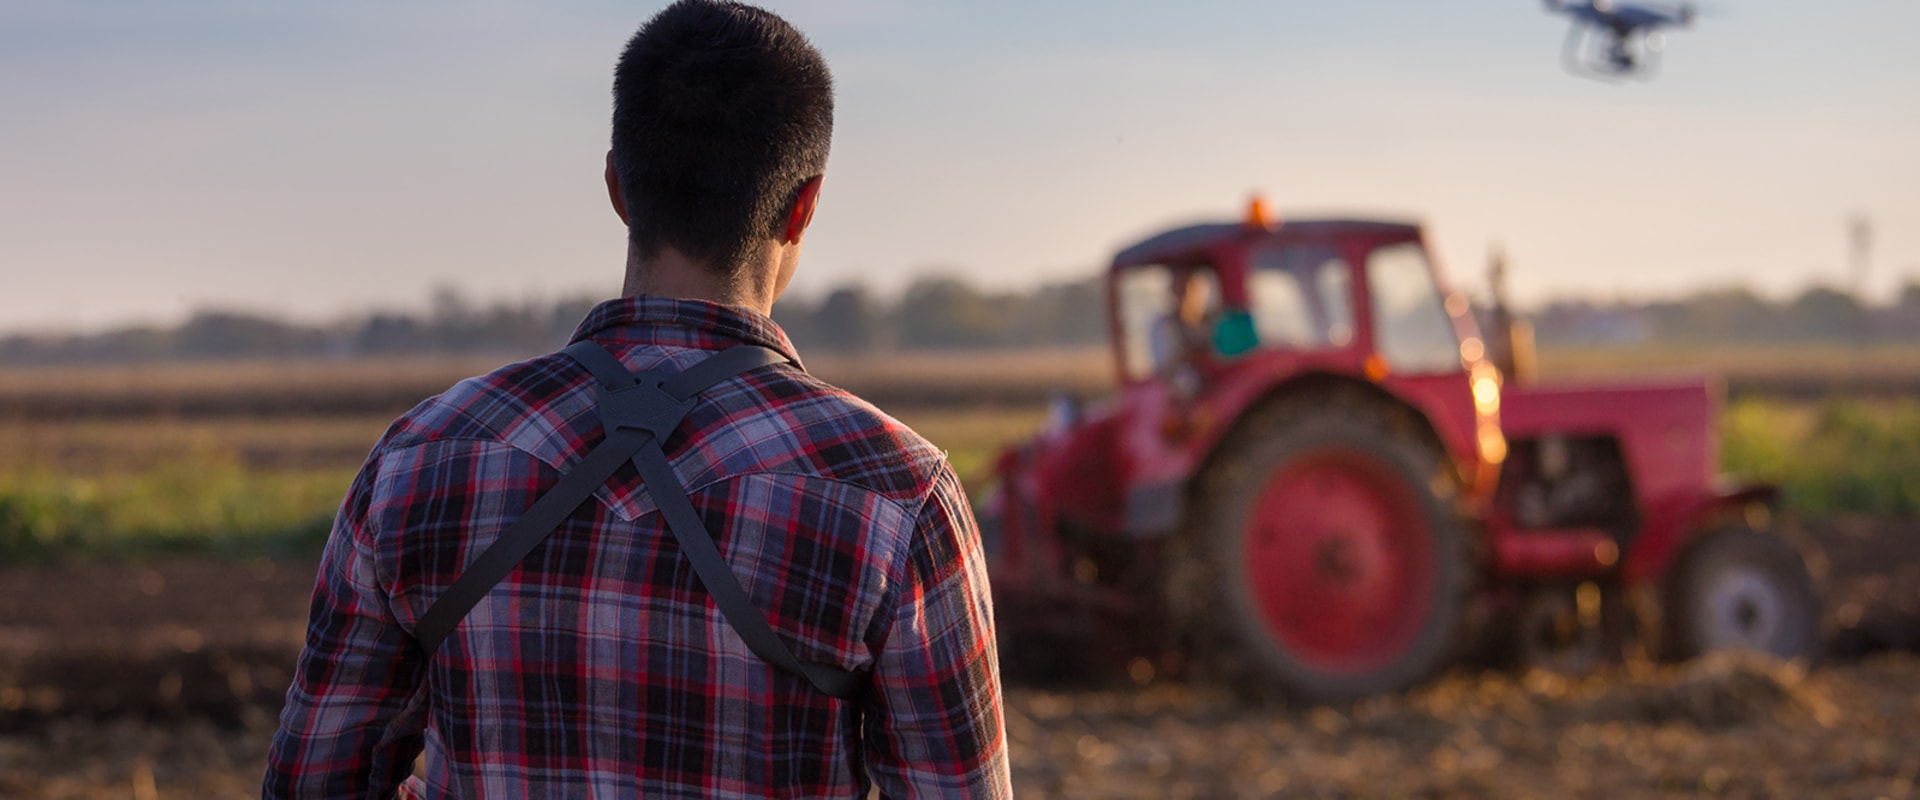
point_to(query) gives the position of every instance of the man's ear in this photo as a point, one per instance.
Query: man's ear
(613, 189)
(801, 214)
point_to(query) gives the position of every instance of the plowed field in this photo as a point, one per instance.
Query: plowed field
(162, 681)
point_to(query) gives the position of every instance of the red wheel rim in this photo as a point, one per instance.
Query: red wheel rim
(1339, 559)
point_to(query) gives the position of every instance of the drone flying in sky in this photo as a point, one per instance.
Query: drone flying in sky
(1613, 40)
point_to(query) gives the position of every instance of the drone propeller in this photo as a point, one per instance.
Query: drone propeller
(1681, 14)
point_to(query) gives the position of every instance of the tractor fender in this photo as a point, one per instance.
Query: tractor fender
(1312, 388)
(1668, 531)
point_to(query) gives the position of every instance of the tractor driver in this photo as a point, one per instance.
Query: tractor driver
(1182, 338)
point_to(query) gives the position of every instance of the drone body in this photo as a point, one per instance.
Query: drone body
(1616, 40)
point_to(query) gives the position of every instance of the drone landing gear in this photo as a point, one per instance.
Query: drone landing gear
(1611, 57)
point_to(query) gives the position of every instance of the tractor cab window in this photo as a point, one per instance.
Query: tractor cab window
(1166, 314)
(1411, 328)
(1298, 295)
(1145, 295)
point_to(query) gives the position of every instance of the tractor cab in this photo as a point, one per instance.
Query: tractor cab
(1206, 318)
(1240, 288)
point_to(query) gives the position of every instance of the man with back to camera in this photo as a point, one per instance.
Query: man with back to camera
(606, 658)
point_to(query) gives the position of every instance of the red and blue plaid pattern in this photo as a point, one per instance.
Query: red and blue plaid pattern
(599, 667)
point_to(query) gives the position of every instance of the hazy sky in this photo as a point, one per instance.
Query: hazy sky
(315, 158)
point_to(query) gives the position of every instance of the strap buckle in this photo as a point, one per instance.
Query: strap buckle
(644, 405)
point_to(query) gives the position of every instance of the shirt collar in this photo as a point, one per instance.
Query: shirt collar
(649, 319)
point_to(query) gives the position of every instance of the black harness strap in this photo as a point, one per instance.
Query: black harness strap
(639, 412)
(521, 538)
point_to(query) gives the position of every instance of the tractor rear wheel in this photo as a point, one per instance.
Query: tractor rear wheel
(1337, 563)
(1741, 589)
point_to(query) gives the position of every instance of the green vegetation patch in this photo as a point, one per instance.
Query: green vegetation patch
(204, 500)
(259, 488)
(1839, 456)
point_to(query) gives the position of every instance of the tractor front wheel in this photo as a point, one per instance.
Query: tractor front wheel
(1336, 558)
(1741, 589)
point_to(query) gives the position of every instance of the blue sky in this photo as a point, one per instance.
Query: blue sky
(316, 158)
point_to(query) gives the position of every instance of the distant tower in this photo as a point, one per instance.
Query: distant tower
(1859, 246)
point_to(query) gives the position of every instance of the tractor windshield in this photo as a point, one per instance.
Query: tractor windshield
(1411, 327)
(1298, 295)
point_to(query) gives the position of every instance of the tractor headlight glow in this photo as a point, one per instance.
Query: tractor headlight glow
(1484, 383)
(1472, 349)
(1492, 444)
(1486, 394)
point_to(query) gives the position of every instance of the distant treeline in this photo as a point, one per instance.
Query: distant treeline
(947, 313)
(1732, 316)
(939, 312)
(933, 313)
(453, 325)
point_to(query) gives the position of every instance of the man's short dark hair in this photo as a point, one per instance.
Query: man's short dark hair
(721, 113)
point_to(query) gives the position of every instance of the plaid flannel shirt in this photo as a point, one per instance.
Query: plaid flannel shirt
(599, 667)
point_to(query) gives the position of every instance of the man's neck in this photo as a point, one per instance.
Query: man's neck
(668, 273)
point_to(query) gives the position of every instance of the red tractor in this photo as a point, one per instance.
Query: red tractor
(1313, 478)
